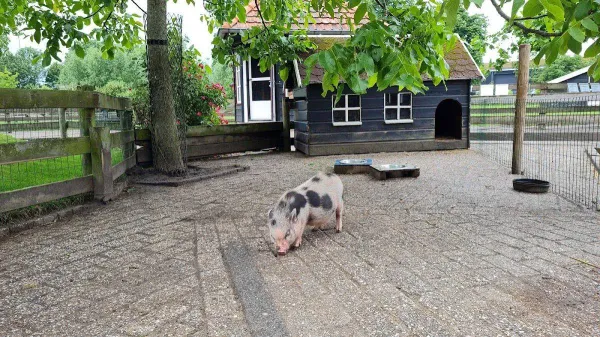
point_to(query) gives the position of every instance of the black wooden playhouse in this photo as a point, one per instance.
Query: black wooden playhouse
(386, 121)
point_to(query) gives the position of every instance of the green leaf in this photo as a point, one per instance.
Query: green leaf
(353, 3)
(366, 62)
(284, 73)
(46, 60)
(241, 12)
(79, 51)
(478, 3)
(360, 13)
(372, 80)
(555, 9)
(37, 36)
(451, 10)
(577, 33)
(327, 61)
(574, 46)
(593, 50)
(589, 24)
(582, 9)
(517, 4)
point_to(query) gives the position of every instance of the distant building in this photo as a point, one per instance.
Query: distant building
(578, 81)
(578, 76)
(504, 76)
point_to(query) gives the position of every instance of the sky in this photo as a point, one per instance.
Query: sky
(200, 37)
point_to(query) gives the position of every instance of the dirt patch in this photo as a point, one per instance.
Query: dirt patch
(149, 176)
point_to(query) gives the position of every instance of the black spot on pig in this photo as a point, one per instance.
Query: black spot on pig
(326, 201)
(304, 188)
(273, 222)
(329, 174)
(313, 198)
(316, 179)
(281, 204)
(295, 201)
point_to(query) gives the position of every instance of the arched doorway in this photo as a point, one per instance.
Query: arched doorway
(448, 120)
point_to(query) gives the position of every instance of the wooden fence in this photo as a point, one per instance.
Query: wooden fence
(203, 141)
(94, 145)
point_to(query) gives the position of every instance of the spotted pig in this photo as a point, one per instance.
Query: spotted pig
(311, 204)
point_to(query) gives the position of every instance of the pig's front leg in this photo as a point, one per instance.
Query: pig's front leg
(299, 232)
(298, 241)
(338, 217)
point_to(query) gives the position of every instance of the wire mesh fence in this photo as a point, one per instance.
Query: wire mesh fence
(25, 125)
(561, 141)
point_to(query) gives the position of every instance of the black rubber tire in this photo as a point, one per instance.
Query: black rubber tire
(531, 185)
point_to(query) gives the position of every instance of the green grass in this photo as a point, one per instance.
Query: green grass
(45, 171)
(7, 139)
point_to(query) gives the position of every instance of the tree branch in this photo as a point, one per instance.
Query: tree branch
(96, 12)
(138, 6)
(531, 18)
(261, 16)
(522, 26)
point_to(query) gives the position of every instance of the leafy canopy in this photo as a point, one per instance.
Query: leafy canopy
(8, 80)
(562, 66)
(29, 75)
(401, 40)
(472, 29)
(68, 22)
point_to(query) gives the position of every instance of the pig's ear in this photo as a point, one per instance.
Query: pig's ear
(293, 215)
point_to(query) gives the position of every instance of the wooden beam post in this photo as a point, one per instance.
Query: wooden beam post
(285, 118)
(520, 108)
(126, 124)
(87, 120)
(62, 122)
(101, 163)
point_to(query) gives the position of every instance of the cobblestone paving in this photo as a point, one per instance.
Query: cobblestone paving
(454, 252)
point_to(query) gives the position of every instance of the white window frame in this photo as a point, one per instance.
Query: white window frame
(346, 109)
(398, 106)
(238, 83)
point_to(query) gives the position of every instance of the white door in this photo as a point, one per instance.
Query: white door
(261, 107)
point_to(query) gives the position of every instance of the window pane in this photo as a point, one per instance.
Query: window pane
(341, 103)
(405, 99)
(353, 101)
(390, 114)
(255, 70)
(339, 116)
(353, 115)
(391, 100)
(261, 91)
(405, 113)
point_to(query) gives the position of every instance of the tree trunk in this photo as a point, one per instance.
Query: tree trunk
(166, 151)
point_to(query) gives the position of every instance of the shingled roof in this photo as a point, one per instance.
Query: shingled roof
(324, 23)
(461, 64)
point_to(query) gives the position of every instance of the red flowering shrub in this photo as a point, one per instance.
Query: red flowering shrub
(202, 100)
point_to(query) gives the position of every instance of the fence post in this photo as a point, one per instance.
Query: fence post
(101, 162)
(285, 118)
(87, 120)
(520, 108)
(62, 122)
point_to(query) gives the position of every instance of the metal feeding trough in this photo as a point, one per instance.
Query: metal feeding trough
(352, 166)
(384, 171)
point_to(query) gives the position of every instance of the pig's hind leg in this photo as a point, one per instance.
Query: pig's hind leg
(338, 216)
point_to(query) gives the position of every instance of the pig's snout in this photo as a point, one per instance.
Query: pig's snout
(283, 248)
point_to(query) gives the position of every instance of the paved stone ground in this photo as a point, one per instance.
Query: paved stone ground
(454, 252)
